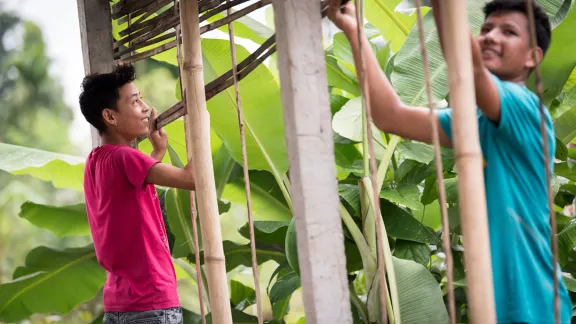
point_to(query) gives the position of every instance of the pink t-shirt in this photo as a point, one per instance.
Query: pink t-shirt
(128, 231)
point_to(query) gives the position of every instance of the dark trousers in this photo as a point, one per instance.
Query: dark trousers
(160, 316)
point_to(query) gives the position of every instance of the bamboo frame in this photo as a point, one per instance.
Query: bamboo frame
(199, 121)
(468, 155)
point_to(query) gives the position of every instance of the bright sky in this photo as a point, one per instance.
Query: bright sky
(59, 23)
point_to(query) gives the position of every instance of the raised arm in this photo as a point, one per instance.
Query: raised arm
(389, 113)
(487, 97)
(167, 175)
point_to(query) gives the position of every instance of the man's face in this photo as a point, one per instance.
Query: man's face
(505, 44)
(131, 115)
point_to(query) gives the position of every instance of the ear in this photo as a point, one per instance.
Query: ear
(109, 117)
(530, 62)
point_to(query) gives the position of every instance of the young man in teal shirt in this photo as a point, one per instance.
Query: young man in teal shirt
(509, 128)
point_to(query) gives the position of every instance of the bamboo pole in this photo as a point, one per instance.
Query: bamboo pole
(199, 122)
(468, 156)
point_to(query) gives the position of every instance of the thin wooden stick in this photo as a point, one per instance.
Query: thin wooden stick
(146, 12)
(545, 150)
(219, 9)
(211, 90)
(373, 169)
(246, 173)
(193, 211)
(469, 162)
(433, 119)
(199, 122)
(150, 42)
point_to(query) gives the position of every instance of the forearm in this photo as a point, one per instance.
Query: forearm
(158, 154)
(170, 176)
(384, 101)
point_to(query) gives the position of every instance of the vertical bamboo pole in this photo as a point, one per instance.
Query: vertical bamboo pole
(468, 156)
(199, 122)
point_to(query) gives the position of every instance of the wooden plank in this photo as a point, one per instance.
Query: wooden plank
(96, 36)
(199, 131)
(311, 152)
(469, 162)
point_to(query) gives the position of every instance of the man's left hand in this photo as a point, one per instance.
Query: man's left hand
(158, 137)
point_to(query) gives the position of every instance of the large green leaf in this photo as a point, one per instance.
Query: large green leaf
(393, 25)
(420, 296)
(565, 121)
(339, 79)
(267, 231)
(180, 220)
(60, 220)
(268, 202)
(401, 224)
(407, 195)
(560, 60)
(64, 171)
(246, 27)
(239, 254)
(260, 96)
(408, 75)
(51, 281)
(566, 241)
(407, 250)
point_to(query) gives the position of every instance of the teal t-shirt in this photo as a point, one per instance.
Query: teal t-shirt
(517, 203)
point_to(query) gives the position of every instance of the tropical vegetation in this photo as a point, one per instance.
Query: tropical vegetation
(57, 281)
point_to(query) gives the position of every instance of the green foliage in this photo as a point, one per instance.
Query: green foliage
(64, 171)
(60, 220)
(51, 281)
(408, 195)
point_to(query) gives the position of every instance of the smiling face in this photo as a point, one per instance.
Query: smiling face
(130, 118)
(505, 44)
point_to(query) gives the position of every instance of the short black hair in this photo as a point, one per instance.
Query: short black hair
(101, 91)
(543, 29)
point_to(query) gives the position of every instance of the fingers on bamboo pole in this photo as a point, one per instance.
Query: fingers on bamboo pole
(199, 122)
(471, 190)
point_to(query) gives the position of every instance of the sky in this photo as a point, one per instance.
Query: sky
(58, 20)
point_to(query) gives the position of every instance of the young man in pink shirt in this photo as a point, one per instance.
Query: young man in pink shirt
(122, 204)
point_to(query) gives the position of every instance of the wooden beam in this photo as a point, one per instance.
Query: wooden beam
(96, 37)
(469, 162)
(311, 152)
(199, 131)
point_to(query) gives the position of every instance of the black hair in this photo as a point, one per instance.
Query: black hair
(541, 21)
(101, 91)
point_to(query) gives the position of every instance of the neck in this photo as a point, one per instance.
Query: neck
(111, 138)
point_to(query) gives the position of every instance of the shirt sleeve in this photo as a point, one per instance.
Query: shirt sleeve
(134, 164)
(520, 114)
(445, 121)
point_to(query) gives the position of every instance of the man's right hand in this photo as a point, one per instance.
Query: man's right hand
(343, 17)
